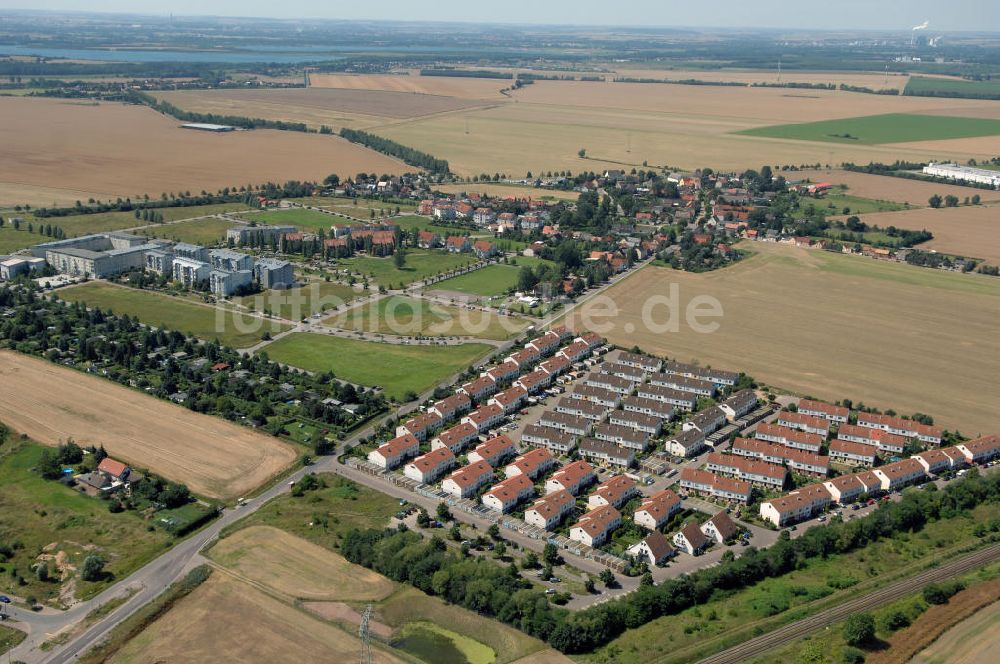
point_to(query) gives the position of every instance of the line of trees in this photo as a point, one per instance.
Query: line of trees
(167, 108)
(411, 156)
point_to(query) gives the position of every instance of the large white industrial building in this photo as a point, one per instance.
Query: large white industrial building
(964, 174)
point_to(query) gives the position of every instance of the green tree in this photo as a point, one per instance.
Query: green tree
(607, 577)
(951, 201)
(582, 154)
(859, 629)
(443, 513)
(550, 554)
(93, 568)
(934, 201)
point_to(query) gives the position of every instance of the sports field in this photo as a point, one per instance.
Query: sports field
(420, 263)
(834, 326)
(487, 282)
(879, 129)
(296, 568)
(972, 231)
(397, 368)
(407, 316)
(246, 624)
(297, 303)
(159, 310)
(109, 150)
(215, 458)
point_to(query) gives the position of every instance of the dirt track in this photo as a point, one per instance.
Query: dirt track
(214, 458)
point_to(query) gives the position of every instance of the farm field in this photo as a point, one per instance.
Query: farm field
(683, 126)
(834, 326)
(314, 106)
(105, 152)
(968, 642)
(159, 310)
(407, 316)
(505, 190)
(296, 568)
(67, 526)
(883, 187)
(397, 368)
(462, 87)
(215, 458)
(297, 303)
(280, 633)
(888, 128)
(873, 80)
(420, 263)
(972, 231)
(927, 85)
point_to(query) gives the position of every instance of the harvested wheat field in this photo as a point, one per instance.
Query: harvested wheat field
(505, 190)
(971, 231)
(519, 137)
(873, 80)
(225, 620)
(317, 106)
(462, 87)
(296, 568)
(833, 326)
(215, 458)
(131, 150)
(884, 187)
(962, 631)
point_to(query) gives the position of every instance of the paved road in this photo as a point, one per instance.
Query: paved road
(784, 635)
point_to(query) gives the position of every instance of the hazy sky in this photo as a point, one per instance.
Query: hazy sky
(874, 14)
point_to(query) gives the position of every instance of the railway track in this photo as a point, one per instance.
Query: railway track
(788, 633)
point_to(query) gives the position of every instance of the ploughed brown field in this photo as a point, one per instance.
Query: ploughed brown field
(215, 458)
(972, 231)
(888, 188)
(832, 326)
(57, 149)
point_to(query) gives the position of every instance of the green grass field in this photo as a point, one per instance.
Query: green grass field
(11, 240)
(206, 232)
(413, 222)
(420, 263)
(301, 218)
(732, 617)
(835, 203)
(412, 317)
(82, 224)
(9, 638)
(174, 313)
(489, 281)
(45, 515)
(397, 369)
(943, 87)
(301, 302)
(878, 129)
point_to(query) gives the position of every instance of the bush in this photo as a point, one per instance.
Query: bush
(852, 656)
(940, 593)
(859, 629)
(893, 621)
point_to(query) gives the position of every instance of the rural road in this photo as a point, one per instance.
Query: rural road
(784, 635)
